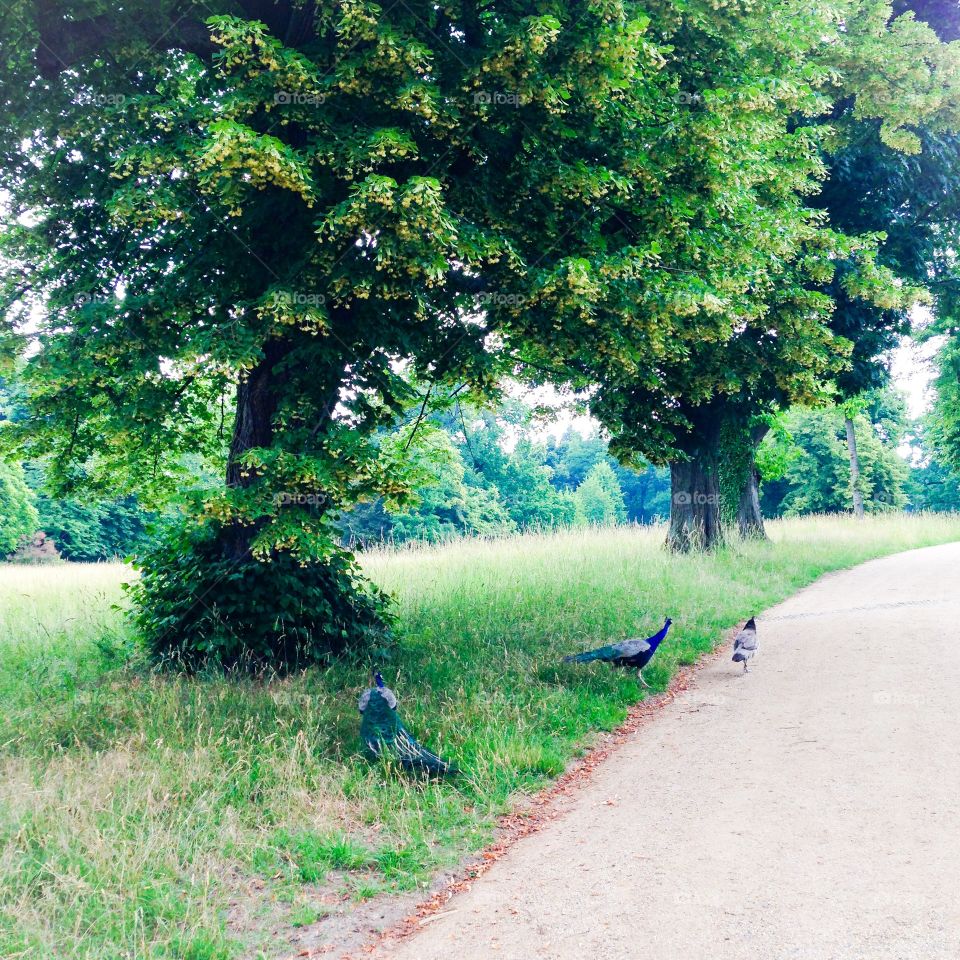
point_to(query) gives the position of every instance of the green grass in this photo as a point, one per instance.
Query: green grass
(146, 816)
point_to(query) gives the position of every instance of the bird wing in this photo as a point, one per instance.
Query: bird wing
(630, 648)
(746, 640)
(615, 651)
(364, 700)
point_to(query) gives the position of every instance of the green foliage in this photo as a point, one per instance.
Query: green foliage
(942, 425)
(493, 476)
(816, 466)
(759, 302)
(774, 456)
(934, 482)
(447, 506)
(599, 499)
(264, 216)
(196, 607)
(18, 515)
(271, 224)
(91, 529)
(645, 489)
(933, 486)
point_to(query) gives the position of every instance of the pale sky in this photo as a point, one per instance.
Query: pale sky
(912, 370)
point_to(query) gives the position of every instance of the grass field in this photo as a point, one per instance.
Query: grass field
(147, 816)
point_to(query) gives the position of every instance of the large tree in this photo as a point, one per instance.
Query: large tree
(824, 303)
(246, 235)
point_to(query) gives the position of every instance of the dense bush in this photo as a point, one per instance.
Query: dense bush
(196, 607)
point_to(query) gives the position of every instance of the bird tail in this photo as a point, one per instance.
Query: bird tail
(738, 656)
(414, 755)
(587, 657)
(429, 762)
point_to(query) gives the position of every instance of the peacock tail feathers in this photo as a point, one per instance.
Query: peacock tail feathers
(603, 653)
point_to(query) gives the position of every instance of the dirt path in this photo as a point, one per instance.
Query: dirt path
(808, 810)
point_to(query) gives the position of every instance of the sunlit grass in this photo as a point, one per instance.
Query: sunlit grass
(134, 807)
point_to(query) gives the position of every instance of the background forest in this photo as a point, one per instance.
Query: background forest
(505, 470)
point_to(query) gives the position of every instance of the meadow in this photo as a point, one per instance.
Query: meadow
(149, 816)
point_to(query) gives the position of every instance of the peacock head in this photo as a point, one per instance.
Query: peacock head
(667, 623)
(378, 680)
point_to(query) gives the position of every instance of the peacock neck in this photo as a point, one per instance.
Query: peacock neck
(657, 637)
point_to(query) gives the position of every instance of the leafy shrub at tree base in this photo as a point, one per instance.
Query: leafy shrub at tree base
(198, 606)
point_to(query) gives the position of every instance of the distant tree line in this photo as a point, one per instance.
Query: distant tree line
(83, 528)
(495, 471)
(488, 473)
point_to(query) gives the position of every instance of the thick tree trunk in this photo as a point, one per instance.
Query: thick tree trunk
(695, 499)
(253, 424)
(854, 468)
(749, 515)
(252, 427)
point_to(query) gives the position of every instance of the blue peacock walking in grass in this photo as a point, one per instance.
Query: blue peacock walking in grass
(384, 734)
(633, 654)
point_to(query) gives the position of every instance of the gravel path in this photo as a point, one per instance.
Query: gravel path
(809, 810)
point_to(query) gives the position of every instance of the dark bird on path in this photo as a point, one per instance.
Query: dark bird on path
(634, 654)
(384, 734)
(746, 644)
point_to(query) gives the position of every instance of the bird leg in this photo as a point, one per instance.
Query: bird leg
(745, 670)
(640, 678)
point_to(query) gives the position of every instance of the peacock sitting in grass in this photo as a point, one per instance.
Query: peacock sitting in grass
(634, 654)
(384, 734)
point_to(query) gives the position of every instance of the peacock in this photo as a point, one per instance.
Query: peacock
(384, 734)
(745, 644)
(635, 654)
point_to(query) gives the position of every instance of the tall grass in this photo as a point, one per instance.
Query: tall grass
(146, 816)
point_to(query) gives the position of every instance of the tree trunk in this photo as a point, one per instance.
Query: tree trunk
(252, 427)
(854, 468)
(695, 500)
(749, 515)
